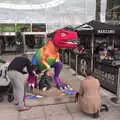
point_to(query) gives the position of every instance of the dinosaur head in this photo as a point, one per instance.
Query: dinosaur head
(65, 39)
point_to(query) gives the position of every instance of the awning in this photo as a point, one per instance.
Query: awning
(97, 27)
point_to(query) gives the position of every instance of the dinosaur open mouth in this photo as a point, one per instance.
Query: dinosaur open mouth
(74, 41)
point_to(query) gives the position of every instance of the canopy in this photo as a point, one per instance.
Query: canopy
(97, 27)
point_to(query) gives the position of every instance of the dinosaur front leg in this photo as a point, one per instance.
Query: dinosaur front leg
(57, 69)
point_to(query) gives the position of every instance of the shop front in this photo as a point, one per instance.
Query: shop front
(7, 42)
(33, 41)
(21, 37)
(101, 55)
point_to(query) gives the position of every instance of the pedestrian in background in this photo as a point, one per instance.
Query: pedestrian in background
(16, 74)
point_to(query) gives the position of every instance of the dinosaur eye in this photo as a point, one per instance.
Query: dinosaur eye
(63, 34)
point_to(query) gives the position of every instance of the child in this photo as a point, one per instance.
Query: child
(46, 80)
(32, 81)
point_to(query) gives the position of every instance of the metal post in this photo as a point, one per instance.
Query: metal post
(24, 43)
(62, 56)
(76, 63)
(92, 51)
(118, 85)
(69, 58)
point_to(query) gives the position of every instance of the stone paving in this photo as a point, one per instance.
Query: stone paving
(59, 107)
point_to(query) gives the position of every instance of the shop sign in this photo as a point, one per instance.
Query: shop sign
(105, 76)
(108, 76)
(106, 31)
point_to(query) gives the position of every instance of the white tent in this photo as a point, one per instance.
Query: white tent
(57, 13)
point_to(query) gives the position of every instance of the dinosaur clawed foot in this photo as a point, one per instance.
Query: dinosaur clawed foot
(62, 86)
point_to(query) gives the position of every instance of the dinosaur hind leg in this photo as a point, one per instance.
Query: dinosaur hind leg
(58, 67)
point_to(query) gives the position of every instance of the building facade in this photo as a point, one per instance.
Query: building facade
(112, 11)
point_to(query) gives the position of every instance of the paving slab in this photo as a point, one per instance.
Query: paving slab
(56, 110)
(57, 107)
(50, 100)
(60, 117)
(8, 111)
(33, 114)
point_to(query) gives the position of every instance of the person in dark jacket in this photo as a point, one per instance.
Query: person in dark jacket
(46, 81)
(16, 74)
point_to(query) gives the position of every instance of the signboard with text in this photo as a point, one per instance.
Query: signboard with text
(106, 31)
(107, 75)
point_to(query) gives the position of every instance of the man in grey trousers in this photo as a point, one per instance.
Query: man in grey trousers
(16, 75)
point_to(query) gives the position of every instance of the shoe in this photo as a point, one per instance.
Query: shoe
(25, 108)
(96, 115)
(44, 89)
(104, 107)
(16, 103)
(59, 87)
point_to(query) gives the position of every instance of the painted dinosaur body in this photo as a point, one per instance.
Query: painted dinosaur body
(48, 56)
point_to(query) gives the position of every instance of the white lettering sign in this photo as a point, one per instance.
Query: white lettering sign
(105, 76)
(106, 31)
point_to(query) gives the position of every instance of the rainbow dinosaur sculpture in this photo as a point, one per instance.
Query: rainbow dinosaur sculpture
(48, 56)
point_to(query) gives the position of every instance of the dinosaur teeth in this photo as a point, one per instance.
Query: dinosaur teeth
(71, 42)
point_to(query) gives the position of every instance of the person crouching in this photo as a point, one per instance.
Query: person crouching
(88, 97)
